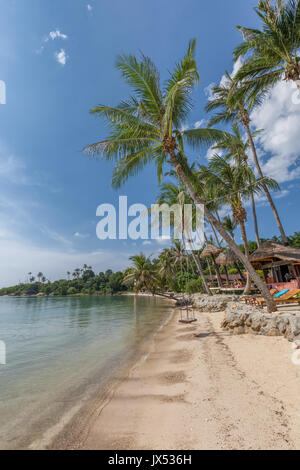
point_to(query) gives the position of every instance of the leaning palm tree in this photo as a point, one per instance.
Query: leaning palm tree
(146, 128)
(237, 149)
(271, 53)
(233, 184)
(234, 104)
(141, 274)
(231, 224)
(175, 194)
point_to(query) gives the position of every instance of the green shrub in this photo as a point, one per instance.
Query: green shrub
(194, 286)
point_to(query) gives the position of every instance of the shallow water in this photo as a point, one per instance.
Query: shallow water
(60, 352)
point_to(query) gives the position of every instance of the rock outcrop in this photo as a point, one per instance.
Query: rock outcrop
(215, 303)
(240, 319)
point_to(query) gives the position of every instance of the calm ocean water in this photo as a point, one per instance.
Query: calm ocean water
(61, 353)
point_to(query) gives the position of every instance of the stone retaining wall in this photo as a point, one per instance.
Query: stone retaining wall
(240, 319)
(215, 303)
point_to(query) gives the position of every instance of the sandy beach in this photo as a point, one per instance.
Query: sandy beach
(202, 388)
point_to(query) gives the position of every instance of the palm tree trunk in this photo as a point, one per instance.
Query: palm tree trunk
(216, 267)
(249, 268)
(199, 267)
(244, 237)
(255, 219)
(271, 202)
(216, 236)
(220, 246)
(239, 271)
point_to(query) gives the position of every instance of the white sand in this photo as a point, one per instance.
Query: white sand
(214, 391)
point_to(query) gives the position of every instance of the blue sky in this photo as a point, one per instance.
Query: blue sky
(57, 60)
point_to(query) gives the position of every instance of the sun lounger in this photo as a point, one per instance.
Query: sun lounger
(250, 299)
(289, 297)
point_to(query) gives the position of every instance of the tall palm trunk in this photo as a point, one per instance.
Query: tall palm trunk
(245, 241)
(255, 219)
(211, 218)
(236, 263)
(197, 261)
(220, 246)
(216, 267)
(259, 170)
(199, 267)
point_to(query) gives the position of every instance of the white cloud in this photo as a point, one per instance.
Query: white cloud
(89, 7)
(19, 257)
(81, 235)
(163, 240)
(61, 57)
(279, 117)
(13, 169)
(209, 89)
(56, 35)
(184, 127)
(198, 124)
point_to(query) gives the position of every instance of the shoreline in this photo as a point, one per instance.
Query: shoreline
(202, 388)
(72, 425)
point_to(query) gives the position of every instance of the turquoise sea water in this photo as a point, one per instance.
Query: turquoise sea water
(61, 352)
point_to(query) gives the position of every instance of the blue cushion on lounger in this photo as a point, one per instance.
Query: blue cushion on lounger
(282, 292)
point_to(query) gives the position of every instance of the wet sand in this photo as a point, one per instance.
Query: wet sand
(202, 388)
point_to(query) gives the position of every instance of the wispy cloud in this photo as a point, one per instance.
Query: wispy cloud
(57, 237)
(61, 57)
(81, 235)
(199, 124)
(89, 8)
(56, 35)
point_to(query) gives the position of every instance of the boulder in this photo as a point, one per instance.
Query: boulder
(241, 318)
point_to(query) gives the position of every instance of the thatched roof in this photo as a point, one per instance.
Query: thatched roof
(210, 250)
(226, 258)
(270, 250)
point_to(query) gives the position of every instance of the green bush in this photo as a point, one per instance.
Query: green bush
(72, 291)
(194, 286)
(232, 271)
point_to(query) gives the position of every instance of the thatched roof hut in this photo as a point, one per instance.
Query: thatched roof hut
(278, 262)
(225, 258)
(271, 252)
(210, 250)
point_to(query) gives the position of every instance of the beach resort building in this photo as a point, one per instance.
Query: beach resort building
(280, 265)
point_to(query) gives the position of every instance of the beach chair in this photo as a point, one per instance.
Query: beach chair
(250, 299)
(289, 297)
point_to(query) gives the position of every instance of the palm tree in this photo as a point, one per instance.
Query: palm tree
(272, 52)
(141, 273)
(145, 128)
(237, 149)
(231, 224)
(76, 273)
(68, 275)
(234, 105)
(232, 182)
(165, 268)
(175, 194)
(40, 275)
